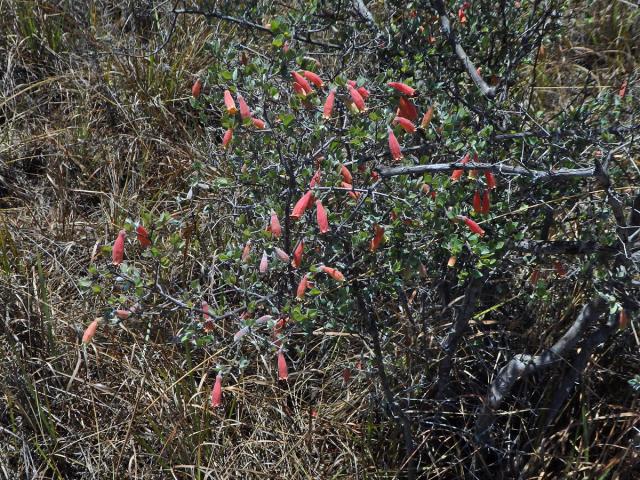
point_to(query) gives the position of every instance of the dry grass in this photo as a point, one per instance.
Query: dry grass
(89, 137)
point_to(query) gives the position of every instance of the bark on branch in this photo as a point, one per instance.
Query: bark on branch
(523, 364)
(563, 247)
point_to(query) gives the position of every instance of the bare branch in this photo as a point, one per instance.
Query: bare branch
(563, 247)
(362, 10)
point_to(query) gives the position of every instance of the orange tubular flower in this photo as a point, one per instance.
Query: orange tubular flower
(276, 229)
(313, 78)
(394, 147)
(477, 202)
(302, 286)
(143, 236)
(299, 89)
(315, 180)
(407, 109)
(378, 236)
(123, 314)
(352, 193)
(229, 103)
(328, 105)
(301, 205)
(246, 251)
(258, 123)
(297, 254)
(321, 214)
(333, 273)
(346, 174)
(282, 255)
(406, 124)
(364, 93)
(245, 111)
(426, 120)
(264, 263)
(358, 101)
(283, 371)
(486, 202)
(403, 88)
(491, 180)
(196, 89)
(452, 262)
(300, 80)
(455, 176)
(623, 89)
(117, 254)
(90, 331)
(228, 136)
(216, 393)
(473, 226)
(623, 319)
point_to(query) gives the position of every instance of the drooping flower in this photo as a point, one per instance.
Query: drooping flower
(333, 273)
(357, 99)
(123, 314)
(473, 226)
(315, 180)
(245, 111)
(394, 147)
(228, 136)
(352, 193)
(313, 78)
(486, 202)
(300, 80)
(246, 251)
(406, 124)
(216, 393)
(623, 319)
(301, 205)
(491, 180)
(229, 103)
(283, 370)
(321, 216)
(143, 236)
(297, 254)
(477, 202)
(302, 286)
(258, 123)
(378, 237)
(346, 174)
(328, 104)
(264, 263)
(346, 375)
(90, 331)
(282, 255)
(117, 254)
(407, 109)
(364, 93)
(455, 176)
(274, 226)
(426, 119)
(623, 89)
(196, 89)
(403, 88)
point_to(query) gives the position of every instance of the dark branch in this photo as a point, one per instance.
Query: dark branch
(563, 247)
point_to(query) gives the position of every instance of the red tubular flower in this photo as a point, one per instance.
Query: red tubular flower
(378, 236)
(623, 89)
(299, 89)
(352, 193)
(394, 147)
(406, 124)
(246, 251)
(321, 215)
(264, 263)
(473, 226)
(196, 89)
(313, 78)
(117, 254)
(301, 205)
(426, 120)
(357, 98)
(216, 393)
(229, 103)
(333, 273)
(282, 255)
(486, 202)
(403, 88)
(143, 236)
(407, 109)
(258, 123)
(283, 370)
(274, 226)
(328, 105)
(346, 174)
(346, 375)
(375, 175)
(123, 314)
(300, 80)
(90, 331)
(302, 286)
(455, 176)
(297, 254)
(364, 93)
(491, 180)
(461, 16)
(477, 202)
(245, 111)
(228, 136)
(623, 319)
(315, 180)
